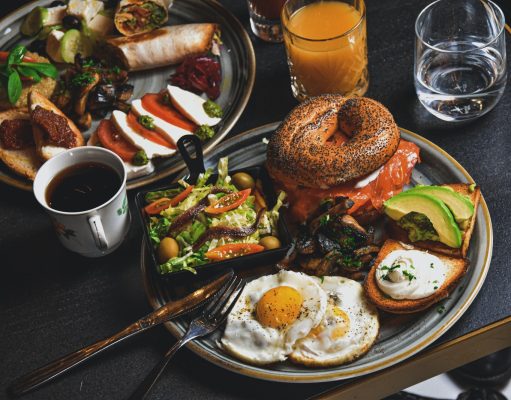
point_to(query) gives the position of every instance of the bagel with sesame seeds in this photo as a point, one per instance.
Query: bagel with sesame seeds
(306, 147)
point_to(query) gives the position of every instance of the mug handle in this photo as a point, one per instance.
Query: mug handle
(98, 232)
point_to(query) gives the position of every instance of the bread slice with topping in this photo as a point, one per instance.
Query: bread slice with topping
(53, 131)
(473, 193)
(456, 269)
(18, 153)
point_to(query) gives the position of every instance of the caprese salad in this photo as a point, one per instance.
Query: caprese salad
(153, 126)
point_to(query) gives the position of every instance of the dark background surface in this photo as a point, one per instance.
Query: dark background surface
(53, 302)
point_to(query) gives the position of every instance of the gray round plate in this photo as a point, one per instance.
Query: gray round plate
(238, 74)
(400, 336)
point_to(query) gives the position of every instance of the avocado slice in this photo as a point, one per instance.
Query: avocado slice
(461, 207)
(437, 212)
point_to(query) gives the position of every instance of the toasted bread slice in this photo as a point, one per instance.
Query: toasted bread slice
(398, 233)
(457, 267)
(24, 162)
(44, 148)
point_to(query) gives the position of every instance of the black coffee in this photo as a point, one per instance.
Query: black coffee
(82, 187)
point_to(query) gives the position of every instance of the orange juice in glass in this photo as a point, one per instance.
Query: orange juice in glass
(326, 47)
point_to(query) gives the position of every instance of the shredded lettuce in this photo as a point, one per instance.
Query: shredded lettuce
(240, 217)
(223, 169)
(158, 228)
(203, 178)
(188, 262)
(273, 214)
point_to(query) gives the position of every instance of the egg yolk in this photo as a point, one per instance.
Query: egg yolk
(343, 323)
(279, 306)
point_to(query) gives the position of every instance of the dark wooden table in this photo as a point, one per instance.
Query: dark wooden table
(53, 302)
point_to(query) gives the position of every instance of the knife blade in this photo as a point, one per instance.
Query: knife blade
(170, 310)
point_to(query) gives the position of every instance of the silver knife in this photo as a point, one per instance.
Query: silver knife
(169, 311)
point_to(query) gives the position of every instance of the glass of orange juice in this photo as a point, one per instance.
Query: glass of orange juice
(326, 47)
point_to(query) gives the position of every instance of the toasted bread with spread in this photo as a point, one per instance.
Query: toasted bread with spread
(17, 147)
(53, 131)
(455, 270)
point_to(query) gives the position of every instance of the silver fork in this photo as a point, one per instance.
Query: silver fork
(210, 319)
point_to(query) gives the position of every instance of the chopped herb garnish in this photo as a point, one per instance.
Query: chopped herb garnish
(440, 309)
(146, 121)
(435, 287)
(116, 70)
(324, 219)
(431, 265)
(409, 275)
(82, 79)
(389, 270)
(322, 279)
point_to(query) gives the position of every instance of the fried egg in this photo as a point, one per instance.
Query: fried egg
(348, 330)
(272, 313)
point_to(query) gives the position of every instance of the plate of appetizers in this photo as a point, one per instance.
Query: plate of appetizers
(131, 76)
(391, 241)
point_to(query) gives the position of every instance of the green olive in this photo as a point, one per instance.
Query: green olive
(270, 242)
(168, 249)
(243, 181)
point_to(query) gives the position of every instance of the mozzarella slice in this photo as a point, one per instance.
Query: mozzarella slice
(191, 106)
(135, 171)
(152, 149)
(171, 132)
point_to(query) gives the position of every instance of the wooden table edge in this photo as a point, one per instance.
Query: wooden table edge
(430, 362)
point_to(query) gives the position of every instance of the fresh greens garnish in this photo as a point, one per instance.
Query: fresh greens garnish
(14, 67)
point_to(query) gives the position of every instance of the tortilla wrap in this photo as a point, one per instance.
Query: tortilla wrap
(164, 46)
(138, 16)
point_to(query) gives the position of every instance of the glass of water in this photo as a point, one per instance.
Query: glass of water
(460, 58)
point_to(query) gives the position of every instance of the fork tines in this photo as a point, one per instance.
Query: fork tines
(227, 298)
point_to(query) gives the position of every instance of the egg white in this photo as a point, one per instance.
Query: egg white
(246, 338)
(337, 341)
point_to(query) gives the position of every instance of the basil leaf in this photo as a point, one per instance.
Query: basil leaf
(14, 87)
(16, 55)
(29, 73)
(43, 68)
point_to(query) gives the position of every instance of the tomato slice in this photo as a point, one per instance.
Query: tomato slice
(228, 202)
(233, 250)
(181, 196)
(153, 102)
(153, 136)
(112, 140)
(4, 55)
(158, 206)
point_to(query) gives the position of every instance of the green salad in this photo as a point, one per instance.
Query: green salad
(198, 224)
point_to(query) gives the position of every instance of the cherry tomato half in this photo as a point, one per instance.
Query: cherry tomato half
(181, 196)
(163, 203)
(228, 202)
(233, 250)
(157, 206)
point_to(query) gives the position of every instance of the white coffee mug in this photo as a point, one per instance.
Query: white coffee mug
(95, 232)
